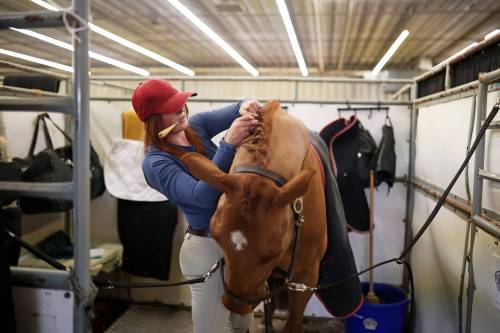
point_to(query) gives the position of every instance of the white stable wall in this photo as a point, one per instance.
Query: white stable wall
(442, 131)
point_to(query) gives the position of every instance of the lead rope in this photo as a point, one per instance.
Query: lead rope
(267, 311)
(106, 284)
(72, 21)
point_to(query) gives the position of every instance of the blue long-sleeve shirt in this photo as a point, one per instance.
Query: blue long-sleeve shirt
(169, 176)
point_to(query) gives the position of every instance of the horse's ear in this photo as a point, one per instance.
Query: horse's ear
(204, 169)
(295, 188)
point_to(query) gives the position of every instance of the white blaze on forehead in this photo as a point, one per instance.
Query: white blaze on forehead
(238, 239)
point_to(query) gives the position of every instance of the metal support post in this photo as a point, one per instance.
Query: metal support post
(81, 171)
(411, 173)
(477, 194)
(447, 77)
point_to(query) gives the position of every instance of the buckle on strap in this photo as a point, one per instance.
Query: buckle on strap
(298, 207)
(293, 286)
(208, 274)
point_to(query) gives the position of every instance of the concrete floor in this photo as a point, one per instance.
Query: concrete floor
(150, 319)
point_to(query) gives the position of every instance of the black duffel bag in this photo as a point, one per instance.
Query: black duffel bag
(55, 166)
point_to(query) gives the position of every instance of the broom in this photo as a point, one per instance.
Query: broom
(371, 297)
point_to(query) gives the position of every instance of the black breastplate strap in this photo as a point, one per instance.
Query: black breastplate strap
(280, 181)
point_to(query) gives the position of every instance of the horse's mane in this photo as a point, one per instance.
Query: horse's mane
(257, 144)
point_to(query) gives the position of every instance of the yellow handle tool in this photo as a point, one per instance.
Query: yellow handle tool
(167, 130)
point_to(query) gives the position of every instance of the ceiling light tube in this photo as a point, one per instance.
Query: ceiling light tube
(46, 5)
(216, 38)
(122, 41)
(492, 34)
(140, 49)
(292, 36)
(390, 52)
(92, 54)
(36, 60)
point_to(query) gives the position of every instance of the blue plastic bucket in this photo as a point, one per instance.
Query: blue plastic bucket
(386, 317)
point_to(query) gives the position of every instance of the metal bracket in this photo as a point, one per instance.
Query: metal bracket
(299, 287)
(298, 206)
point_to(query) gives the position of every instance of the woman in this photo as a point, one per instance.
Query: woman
(159, 105)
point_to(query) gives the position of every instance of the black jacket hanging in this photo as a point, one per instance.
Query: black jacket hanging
(352, 150)
(385, 167)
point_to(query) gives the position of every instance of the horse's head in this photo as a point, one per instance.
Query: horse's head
(253, 225)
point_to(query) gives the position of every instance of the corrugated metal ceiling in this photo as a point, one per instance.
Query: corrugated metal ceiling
(438, 28)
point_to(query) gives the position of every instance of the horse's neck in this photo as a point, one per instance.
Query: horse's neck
(286, 148)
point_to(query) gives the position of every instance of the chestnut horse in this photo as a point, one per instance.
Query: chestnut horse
(254, 223)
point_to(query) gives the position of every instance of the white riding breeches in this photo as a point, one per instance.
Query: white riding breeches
(198, 254)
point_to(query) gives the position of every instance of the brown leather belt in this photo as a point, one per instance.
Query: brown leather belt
(197, 232)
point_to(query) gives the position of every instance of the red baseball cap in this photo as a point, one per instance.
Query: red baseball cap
(157, 96)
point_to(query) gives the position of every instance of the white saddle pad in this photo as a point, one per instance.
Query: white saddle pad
(123, 174)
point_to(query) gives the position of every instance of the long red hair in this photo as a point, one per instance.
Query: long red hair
(154, 124)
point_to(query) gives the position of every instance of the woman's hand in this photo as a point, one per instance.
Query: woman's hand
(240, 129)
(251, 107)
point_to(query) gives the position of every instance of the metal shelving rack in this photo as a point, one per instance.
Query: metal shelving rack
(77, 106)
(479, 175)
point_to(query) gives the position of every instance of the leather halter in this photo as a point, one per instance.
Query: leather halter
(297, 208)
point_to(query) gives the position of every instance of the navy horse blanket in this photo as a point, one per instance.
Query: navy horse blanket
(344, 299)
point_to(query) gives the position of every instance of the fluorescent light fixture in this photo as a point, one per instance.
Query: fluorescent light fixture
(118, 63)
(292, 36)
(92, 54)
(44, 38)
(46, 5)
(36, 60)
(390, 52)
(140, 49)
(122, 41)
(492, 34)
(465, 49)
(216, 38)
